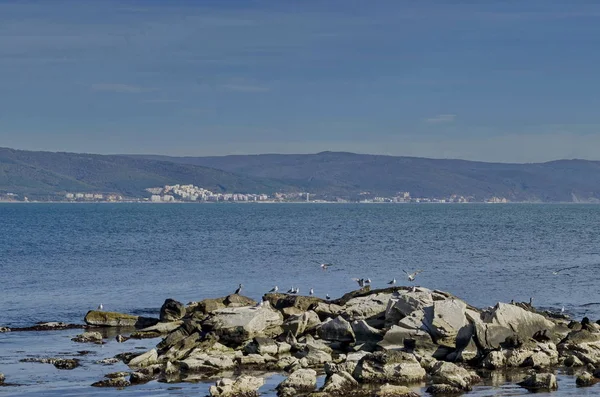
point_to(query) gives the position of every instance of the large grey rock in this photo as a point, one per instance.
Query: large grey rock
(313, 357)
(389, 367)
(243, 386)
(399, 337)
(327, 310)
(540, 382)
(453, 375)
(144, 360)
(404, 302)
(582, 344)
(114, 319)
(207, 363)
(171, 310)
(91, 337)
(585, 379)
(236, 325)
(370, 308)
(492, 327)
(363, 332)
(337, 329)
(494, 360)
(448, 324)
(301, 323)
(299, 382)
(339, 383)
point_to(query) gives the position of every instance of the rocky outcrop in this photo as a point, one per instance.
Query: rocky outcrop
(540, 382)
(299, 382)
(301, 323)
(395, 391)
(448, 376)
(236, 325)
(112, 382)
(171, 310)
(337, 329)
(243, 386)
(88, 337)
(144, 360)
(114, 319)
(59, 363)
(585, 379)
(389, 367)
(340, 383)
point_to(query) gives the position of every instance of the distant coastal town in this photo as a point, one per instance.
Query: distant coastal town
(191, 193)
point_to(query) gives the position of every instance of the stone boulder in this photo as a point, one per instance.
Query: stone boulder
(582, 344)
(404, 302)
(243, 386)
(112, 382)
(337, 329)
(494, 326)
(301, 323)
(237, 325)
(88, 337)
(299, 382)
(364, 333)
(371, 308)
(114, 319)
(447, 323)
(208, 306)
(2, 378)
(389, 367)
(340, 383)
(395, 391)
(171, 310)
(540, 382)
(327, 310)
(145, 359)
(585, 379)
(260, 345)
(451, 374)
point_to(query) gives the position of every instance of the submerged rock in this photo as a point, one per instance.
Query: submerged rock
(299, 382)
(92, 337)
(243, 386)
(586, 379)
(540, 382)
(114, 319)
(60, 363)
(114, 382)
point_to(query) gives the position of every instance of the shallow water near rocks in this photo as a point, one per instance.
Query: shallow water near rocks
(57, 261)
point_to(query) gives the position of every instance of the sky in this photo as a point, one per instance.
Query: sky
(509, 81)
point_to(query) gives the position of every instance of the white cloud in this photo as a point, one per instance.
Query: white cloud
(441, 118)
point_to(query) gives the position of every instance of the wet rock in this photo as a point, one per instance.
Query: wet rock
(145, 359)
(236, 325)
(583, 344)
(443, 389)
(207, 363)
(451, 374)
(182, 348)
(540, 382)
(120, 374)
(288, 363)
(60, 363)
(138, 378)
(48, 326)
(395, 391)
(114, 319)
(572, 361)
(585, 379)
(108, 361)
(4, 329)
(91, 337)
(389, 367)
(337, 329)
(115, 382)
(261, 345)
(2, 378)
(120, 338)
(171, 310)
(143, 335)
(299, 382)
(494, 360)
(313, 357)
(340, 383)
(243, 386)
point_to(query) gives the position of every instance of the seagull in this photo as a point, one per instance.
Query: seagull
(360, 281)
(294, 290)
(392, 282)
(238, 290)
(531, 301)
(564, 268)
(274, 289)
(100, 307)
(325, 266)
(311, 292)
(562, 310)
(290, 291)
(411, 276)
(327, 297)
(368, 281)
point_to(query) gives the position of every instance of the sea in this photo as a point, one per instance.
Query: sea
(59, 260)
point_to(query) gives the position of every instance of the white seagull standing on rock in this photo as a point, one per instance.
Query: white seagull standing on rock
(311, 292)
(360, 281)
(274, 289)
(100, 307)
(290, 291)
(411, 276)
(392, 282)
(238, 290)
(327, 297)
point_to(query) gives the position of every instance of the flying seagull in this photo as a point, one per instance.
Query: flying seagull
(360, 281)
(564, 268)
(100, 307)
(238, 290)
(274, 289)
(411, 276)
(392, 282)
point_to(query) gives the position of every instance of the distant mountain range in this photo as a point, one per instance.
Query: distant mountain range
(327, 174)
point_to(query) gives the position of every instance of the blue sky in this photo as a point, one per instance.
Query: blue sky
(493, 81)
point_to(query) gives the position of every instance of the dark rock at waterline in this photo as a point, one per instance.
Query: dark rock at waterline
(2, 378)
(46, 326)
(171, 310)
(540, 382)
(115, 382)
(114, 319)
(89, 337)
(586, 379)
(60, 363)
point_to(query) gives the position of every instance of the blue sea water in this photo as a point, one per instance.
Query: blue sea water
(57, 261)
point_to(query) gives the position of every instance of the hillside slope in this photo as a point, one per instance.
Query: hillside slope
(48, 173)
(339, 173)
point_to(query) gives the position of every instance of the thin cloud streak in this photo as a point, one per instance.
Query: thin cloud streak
(441, 118)
(119, 88)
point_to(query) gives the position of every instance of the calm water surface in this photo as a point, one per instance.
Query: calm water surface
(57, 261)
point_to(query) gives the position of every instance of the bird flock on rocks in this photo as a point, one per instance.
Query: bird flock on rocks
(362, 282)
